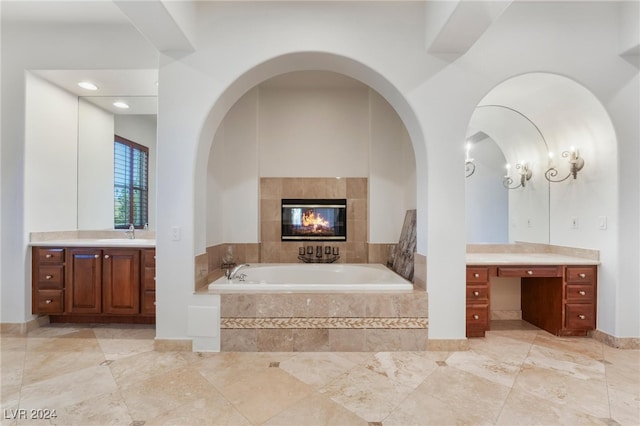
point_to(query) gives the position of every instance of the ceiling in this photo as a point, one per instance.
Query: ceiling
(137, 87)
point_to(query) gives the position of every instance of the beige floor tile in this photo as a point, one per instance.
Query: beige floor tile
(105, 409)
(315, 410)
(265, 394)
(212, 409)
(67, 389)
(317, 368)
(132, 370)
(523, 408)
(160, 393)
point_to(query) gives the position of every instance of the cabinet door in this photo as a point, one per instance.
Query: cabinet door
(148, 294)
(121, 281)
(84, 281)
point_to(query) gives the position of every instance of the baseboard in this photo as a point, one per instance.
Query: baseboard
(616, 342)
(173, 345)
(22, 328)
(506, 315)
(448, 345)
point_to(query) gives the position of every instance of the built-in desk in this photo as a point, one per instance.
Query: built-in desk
(558, 292)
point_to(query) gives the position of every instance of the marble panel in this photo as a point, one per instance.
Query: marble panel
(347, 340)
(310, 340)
(238, 340)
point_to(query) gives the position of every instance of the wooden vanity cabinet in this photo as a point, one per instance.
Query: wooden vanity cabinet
(477, 296)
(47, 295)
(560, 299)
(148, 295)
(80, 284)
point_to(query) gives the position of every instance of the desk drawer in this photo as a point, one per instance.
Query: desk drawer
(477, 275)
(580, 293)
(529, 271)
(580, 316)
(477, 294)
(576, 274)
(478, 316)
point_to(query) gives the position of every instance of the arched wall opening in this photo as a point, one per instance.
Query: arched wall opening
(302, 61)
(530, 116)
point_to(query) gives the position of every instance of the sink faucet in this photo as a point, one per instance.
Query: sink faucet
(131, 232)
(233, 273)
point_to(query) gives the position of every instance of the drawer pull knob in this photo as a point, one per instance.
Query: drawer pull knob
(476, 316)
(529, 272)
(95, 256)
(476, 293)
(581, 316)
(106, 256)
(476, 275)
(48, 277)
(582, 293)
(582, 275)
(48, 301)
(48, 255)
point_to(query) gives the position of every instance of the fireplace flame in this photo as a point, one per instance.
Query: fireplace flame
(309, 218)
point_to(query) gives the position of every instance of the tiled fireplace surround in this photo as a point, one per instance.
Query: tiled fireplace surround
(316, 321)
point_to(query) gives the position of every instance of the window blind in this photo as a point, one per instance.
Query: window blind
(130, 183)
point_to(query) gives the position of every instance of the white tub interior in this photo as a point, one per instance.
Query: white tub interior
(314, 277)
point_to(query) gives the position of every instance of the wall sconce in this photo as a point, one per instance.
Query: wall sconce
(469, 165)
(576, 163)
(525, 175)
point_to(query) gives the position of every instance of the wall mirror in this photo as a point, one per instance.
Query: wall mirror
(98, 120)
(499, 135)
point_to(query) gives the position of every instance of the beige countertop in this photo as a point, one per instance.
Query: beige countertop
(527, 259)
(97, 242)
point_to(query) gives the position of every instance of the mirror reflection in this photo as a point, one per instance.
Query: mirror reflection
(507, 195)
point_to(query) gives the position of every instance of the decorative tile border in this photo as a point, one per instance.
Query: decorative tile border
(324, 323)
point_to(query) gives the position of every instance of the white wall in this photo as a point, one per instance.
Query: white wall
(95, 167)
(51, 142)
(304, 131)
(141, 129)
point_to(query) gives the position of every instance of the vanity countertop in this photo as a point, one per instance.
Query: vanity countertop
(482, 259)
(97, 242)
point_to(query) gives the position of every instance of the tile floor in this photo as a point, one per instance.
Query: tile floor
(110, 375)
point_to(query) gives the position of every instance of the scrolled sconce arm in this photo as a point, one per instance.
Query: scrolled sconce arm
(469, 167)
(576, 163)
(525, 176)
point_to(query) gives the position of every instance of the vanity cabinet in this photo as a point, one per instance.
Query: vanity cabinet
(477, 291)
(148, 295)
(560, 299)
(47, 296)
(94, 283)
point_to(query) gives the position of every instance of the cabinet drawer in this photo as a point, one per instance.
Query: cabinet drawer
(50, 276)
(149, 258)
(149, 282)
(50, 255)
(530, 271)
(477, 294)
(149, 303)
(580, 293)
(478, 316)
(477, 275)
(580, 316)
(580, 274)
(49, 302)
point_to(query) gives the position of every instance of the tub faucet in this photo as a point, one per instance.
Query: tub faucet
(233, 273)
(131, 233)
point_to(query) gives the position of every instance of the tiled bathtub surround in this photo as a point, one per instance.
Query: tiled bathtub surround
(317, 322)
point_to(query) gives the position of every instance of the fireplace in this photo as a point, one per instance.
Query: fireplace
(314, 219)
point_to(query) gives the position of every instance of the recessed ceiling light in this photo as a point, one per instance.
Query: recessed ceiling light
(120, 104)
(88, 85)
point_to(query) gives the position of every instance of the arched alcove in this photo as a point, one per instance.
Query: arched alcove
(302, 61)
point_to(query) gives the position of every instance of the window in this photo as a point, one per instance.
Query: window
(130, 183)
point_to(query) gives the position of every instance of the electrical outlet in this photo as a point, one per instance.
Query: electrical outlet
(529, 223)
(574, 222)
(175, 233)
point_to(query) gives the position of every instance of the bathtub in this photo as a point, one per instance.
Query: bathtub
(303, 277)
